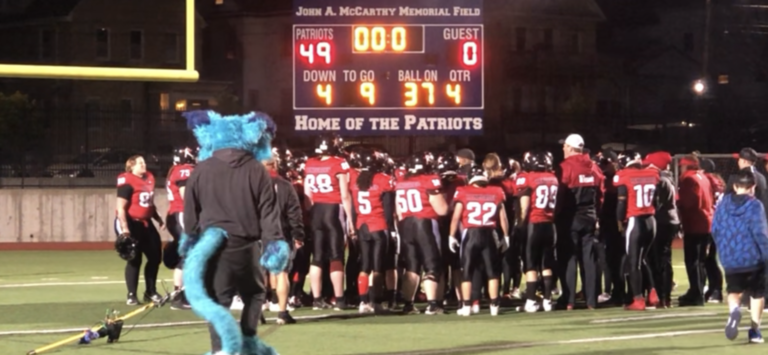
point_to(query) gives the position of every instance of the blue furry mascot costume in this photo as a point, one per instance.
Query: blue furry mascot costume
(247, 134)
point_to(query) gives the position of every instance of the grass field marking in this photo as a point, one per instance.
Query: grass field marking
(161, 325)
(99, 278)
(73, 283)
(657, 316)
(50, 279)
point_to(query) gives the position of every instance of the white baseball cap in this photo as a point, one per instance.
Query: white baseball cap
(573, 140)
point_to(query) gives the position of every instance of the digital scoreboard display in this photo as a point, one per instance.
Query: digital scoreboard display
(399, 67)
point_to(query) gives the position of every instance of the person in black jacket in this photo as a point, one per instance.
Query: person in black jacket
(230, 220)
(291, 219)
(668, 227)
(747, 158)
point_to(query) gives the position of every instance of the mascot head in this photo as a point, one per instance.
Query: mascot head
(252, 132)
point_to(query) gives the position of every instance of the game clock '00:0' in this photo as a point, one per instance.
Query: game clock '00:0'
(412, 92)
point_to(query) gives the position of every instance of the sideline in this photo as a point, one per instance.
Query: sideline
(73, 283)
(167, 325)
(658, 316)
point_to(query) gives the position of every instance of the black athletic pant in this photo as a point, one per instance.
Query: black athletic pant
(714, 274)
(326, 224)
(150, 245)
(641, 231)
(602, 268)
(660, 259)
(478, 248)
(615, 249)
(174, 223)
(420, 246)
(576, 249)
(374, 250)
(695, 249)
(236, 269)
(352, 269)
(512, 261)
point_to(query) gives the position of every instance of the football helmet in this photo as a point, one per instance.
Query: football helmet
(367, 160)
(185, 155)
(447, 164)
(629, 157)
(477, 174)
(537, 161)
(420, 163)
(329, 145)
(126, 247)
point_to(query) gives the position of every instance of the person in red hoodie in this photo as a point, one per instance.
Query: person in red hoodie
(714, 276)
(696, 209)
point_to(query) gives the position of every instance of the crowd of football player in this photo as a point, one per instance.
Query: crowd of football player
(381, 234)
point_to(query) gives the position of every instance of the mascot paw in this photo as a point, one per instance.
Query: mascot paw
(276, 255)
(254, 346)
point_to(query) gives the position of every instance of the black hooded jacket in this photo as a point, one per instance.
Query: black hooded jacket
(232, 191)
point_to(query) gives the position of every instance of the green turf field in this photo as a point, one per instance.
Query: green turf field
(61, 290)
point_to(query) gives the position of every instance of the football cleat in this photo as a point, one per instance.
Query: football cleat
(755, 337)
(237, 304)
(732, 326)
(365, 308)
(515, 294)
(154, 298)
(132, 300)
(637, 305)
(464, 311)
(494, 310)
(605, 297)
(546, 305)
(320, 305)
(653, 299)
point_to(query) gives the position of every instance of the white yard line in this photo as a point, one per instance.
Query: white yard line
(73, 283)
(99, 278)
(658, 316)
(153, 325)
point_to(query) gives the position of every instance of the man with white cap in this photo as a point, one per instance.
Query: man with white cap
(578, 201)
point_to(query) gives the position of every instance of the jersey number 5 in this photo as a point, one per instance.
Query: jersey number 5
(145, 199)
(644, 195)
(363, 204)
(475, 209)
(409, 201)
(321, 183)
(546, 197)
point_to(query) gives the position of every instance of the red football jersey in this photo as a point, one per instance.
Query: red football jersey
(322, 178)
(142, 203)
(509, 186)
(641, 188)
(412, 198)
(400, 173)
(481, 205)
(542, 188)
(368, 204)
(177, 177)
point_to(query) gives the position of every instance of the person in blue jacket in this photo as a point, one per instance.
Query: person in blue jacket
(740, 231)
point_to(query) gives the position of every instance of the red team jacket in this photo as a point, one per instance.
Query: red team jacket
(481, 205)
(177, 178)
(412, 196)
(368, 204)
(584, 182)
(322, 178)
(542, 188)
(695, 204)
(641, 187)
(141, 206)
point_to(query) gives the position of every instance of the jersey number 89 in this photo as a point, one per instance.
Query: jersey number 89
(145, 199)
(409, 201)
(546, 197)
(321, 183)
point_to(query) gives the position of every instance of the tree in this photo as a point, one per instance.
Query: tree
(20, 127)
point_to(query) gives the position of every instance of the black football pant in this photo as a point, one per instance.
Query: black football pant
(660, 259)
(578, 251)
(352, 269)
(714, 274)
(641, 231)
(236, 269)
(151, 246)
(615, 249)
(511, 262)
(695, 250)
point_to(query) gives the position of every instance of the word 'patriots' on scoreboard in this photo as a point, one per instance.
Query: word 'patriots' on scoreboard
(403, 67)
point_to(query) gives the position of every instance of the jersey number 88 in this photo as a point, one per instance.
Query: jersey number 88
(319, 183)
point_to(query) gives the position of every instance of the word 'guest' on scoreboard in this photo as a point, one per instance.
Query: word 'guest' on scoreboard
(402, 67)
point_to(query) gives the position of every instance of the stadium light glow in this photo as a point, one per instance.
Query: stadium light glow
(112, 73)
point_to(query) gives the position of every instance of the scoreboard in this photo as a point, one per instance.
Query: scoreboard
(399, 67)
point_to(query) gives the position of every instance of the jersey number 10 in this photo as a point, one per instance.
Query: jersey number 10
(644, 195)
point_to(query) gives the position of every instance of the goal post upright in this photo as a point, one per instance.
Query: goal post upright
(189, 74)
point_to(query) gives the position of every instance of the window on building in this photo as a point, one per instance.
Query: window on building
(688, 42)
(125, 114)
(253, 99)
(102, 43)
(181, 105)
(574, 43)
(520, 35)
(47, 45)
(137, 45)
(219, 2)
(548, 40)
(92, 113)
(171, 47)
(165, 101)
